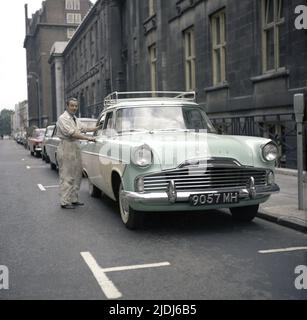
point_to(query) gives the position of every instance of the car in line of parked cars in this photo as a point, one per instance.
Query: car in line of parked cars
(159, 152)
(52, 142)
(35, 141)
(46, 140)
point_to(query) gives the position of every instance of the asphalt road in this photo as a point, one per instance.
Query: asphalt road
(203, 256)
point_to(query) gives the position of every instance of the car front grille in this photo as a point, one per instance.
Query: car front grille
(209, 178)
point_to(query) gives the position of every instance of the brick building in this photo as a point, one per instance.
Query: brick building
(55, 21)
(245, 59)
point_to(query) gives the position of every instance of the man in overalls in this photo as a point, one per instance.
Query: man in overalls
(69, 130)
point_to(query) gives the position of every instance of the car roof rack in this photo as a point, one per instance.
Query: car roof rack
(117, 97)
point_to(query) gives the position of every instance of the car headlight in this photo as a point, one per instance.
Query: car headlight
(270, 152)
(142, 156)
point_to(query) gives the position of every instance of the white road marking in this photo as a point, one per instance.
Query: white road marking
(49, 187)
(36, 167)
(105, 283)
(41, 187)
(283, 250)
(22, 159)
(142, 266)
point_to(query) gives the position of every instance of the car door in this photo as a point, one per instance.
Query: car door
(91, 157)
(52, 146)
(105, 160)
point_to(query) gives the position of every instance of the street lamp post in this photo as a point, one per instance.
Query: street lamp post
(35, 75)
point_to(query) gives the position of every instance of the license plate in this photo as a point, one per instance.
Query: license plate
(214, 198)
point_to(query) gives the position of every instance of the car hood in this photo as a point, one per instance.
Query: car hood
(174, 148)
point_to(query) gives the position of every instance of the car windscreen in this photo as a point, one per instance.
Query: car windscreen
(38, 133)
(162, 118)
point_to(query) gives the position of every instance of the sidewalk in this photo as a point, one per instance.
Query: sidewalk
(282, 208)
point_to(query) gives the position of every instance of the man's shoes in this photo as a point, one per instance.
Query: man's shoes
(68, 206)
(78, 203)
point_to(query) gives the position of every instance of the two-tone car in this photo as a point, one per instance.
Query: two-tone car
(47, 137)
(53, 142)
(35, 142)
(159, 152)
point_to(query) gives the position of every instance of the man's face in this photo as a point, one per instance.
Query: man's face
(72, 107)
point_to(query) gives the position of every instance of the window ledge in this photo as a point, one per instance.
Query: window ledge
(271, 75)
(221, 86)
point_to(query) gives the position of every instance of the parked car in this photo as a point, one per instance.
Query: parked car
(53, 142)
(47, 137)
(35, 142)
(162, 154)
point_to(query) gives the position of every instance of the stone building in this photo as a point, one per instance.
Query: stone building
(55, 21)
(245, 59)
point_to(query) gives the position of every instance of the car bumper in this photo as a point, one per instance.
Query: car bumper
(148, 201)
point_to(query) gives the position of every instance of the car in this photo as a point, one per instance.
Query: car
(48, 135)
(35, 142)
(53, 142)
(159, 152)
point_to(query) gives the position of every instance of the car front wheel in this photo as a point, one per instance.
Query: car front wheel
(131, 218)
(244, 214)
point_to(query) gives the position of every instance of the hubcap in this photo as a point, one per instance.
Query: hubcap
(124, 206)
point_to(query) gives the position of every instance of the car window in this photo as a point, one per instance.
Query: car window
(108, 124)
(100, 123)
(162, 118)
(193, 119)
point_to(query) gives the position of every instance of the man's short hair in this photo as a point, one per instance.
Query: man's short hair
(71, 99)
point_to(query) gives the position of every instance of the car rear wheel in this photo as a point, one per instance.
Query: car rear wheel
(93, 190)
(52, 166)
(244, 214)
(131, 218)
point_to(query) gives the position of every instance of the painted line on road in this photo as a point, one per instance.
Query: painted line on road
(36, 167)
(141, 266)
(105, 283)
(41, 187)
(283, 250)
(50, 187)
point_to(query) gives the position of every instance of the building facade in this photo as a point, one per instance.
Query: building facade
(245, 60)
(57, 20)
(20, 118)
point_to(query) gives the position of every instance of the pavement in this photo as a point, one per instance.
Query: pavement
(282, 208)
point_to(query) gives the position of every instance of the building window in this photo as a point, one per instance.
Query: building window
(218, 29)
(189, 48)
(69, 5)
(73, 18)
(77, 18)
(151, 7)
(272, 33)
(76, 4)
(70, 18)
(153, 67)
(72, 5)
(70, 32)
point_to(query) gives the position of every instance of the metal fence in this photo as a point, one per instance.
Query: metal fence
(279, 128)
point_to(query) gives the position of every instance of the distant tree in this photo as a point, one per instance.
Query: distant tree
(5, 122)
